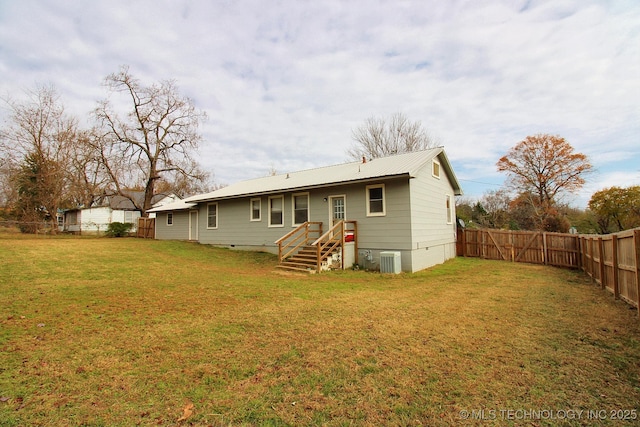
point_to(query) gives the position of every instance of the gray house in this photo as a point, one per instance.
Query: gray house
(389, 214)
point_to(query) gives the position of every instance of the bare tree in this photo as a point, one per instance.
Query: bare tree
(378, 137)
(36, 142)
(158, 135)
(183, 186)
(89, 179)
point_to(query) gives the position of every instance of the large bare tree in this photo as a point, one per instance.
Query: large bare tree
(545, 167)
(379, 137)
(156, 137)
(37, 142)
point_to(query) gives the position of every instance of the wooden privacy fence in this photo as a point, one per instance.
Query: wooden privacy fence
(146, 228)
(612, 261)
(533, 247)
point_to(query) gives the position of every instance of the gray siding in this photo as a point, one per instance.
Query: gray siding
(391, 231)
(415, 221)
(433, 238)
(178, 231)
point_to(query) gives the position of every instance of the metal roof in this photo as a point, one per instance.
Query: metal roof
(384, 167)
(173, 206)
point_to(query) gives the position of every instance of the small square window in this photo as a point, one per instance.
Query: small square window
(436, 169)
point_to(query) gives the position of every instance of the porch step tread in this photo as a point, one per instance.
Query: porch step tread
(299, 263)
(296, 269)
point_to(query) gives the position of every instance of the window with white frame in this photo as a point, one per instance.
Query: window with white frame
(169, 218)
(276, 216)
(212, 215)
(436, 169)
(256, 209)
(449, 210)
(300, 208)
(376, 205)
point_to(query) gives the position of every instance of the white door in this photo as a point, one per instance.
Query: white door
(193, 225)
(337, 205)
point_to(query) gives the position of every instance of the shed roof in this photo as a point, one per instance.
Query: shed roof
(407, 164)
(173, 206)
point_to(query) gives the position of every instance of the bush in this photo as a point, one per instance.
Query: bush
(118, 229)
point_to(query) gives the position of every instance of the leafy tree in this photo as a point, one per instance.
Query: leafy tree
(544, 167)
(378, 137)
(157, 137)
(496, 207)
(616, 208)
(464, 210)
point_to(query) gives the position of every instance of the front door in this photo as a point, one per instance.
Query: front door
(193, 225)
(338, 213)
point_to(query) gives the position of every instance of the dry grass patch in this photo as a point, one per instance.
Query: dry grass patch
(125, 331)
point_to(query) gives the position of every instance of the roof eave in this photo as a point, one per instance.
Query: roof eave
(300, 188)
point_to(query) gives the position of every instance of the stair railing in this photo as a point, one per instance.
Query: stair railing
(302, 235)
(332, 239)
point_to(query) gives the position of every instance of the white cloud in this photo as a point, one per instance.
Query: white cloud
(284, 84)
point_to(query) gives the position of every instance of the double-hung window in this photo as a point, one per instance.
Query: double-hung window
(212, 215)
(300, 208)
(256, 209)
(376, 205)
(276, 216)
(169, 218)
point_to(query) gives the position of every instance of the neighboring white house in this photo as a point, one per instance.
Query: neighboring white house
(108, 209)
(402, 203)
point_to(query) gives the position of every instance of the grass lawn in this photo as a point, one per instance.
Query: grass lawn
(136, 332)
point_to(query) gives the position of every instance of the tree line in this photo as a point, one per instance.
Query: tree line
(141, 140)
(541, 171)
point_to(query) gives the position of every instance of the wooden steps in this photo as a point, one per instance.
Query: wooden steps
(305, 261)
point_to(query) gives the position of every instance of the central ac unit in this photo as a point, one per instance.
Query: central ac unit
(390, 262)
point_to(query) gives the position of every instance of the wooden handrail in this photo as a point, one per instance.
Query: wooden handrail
(331, 242)
(329, 232)
(299, 235)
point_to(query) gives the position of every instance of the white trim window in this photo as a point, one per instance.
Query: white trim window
(376, 203)
(276, 211)
(255, 209)
(212, 215)
(449, 210)
(300, 207)
(435, 169)
(169, 218)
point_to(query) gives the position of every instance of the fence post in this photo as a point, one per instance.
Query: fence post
(592, 262)
(579, 259)
(603, 284)
(636, 247)
(614, 262)
(464, 242)
(545, 255)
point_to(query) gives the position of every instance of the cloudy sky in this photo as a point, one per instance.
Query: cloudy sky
(285, 82)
